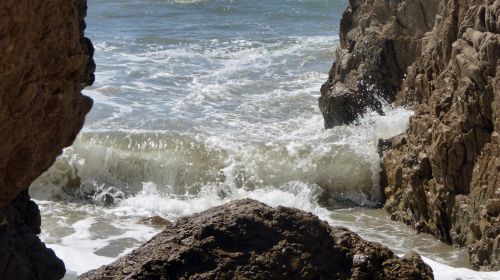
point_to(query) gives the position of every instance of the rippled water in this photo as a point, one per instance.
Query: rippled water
(201, 102)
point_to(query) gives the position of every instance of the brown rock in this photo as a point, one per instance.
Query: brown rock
(458, 77)
(248, 240)
(45, 62)
(378, 40)
(155, 221)
(444, 178)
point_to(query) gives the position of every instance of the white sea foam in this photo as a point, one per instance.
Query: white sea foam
(182, 164)
(445, 272)
(82, 249)
(183, 122)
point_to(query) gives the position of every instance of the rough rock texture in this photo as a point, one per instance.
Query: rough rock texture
(443, 175)
(45, 62)
(22, 255)
(45, 65)
(248, 240)
(378, 41)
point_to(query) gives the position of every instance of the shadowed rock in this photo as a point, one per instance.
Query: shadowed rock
(45, 62)
(343, 107)
(248, 240)
(379, 39)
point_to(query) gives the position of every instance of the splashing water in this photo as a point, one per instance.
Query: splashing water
(198, 103)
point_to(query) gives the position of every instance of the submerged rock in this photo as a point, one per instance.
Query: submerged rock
(155, 221)
(45, 62)
(442, 57)
(248, 240)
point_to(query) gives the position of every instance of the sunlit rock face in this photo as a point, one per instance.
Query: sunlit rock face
(441, 57)
(378, 41)
(45, 62)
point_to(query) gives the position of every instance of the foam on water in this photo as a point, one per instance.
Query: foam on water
(103, 234)
(93, 236)
(209, 80)
(186, 164)
(445, 272)
(103, 158)
(201, 102)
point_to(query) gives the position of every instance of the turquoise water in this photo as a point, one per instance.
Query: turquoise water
(201, 102)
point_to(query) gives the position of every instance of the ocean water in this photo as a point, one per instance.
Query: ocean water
(198, 103)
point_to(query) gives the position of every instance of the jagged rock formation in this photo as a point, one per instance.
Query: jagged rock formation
(378, 41)
(443, 175)
(445, 179)
(45, 62)
(248, 240)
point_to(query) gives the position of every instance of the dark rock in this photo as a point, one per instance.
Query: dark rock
(345, 107)
(378, 40)
(383, 146)
(248, 240)
(45, 62)
(22, 255)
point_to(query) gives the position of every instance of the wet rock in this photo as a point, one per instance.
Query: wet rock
(378, 41)
(248, 240)
(441, 177)
(155, 221)
(45, 62)
(383, 146)
(345, 107)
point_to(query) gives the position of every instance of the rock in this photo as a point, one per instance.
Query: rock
(22, 254)
(442, 58)
(456, 85)
(155, 221)
(46, 61)
(248, 240)
(45, 64)
(384, 145)
(345, 107)
(378, 41)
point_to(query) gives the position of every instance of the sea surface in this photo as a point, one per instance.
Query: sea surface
(198, 103)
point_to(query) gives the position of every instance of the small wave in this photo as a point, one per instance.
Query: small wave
(342, 162)
(182, 165)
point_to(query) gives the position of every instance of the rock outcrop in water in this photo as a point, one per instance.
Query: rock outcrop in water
(442, 57)
(379, 40)
(248, 240)
(45, 62)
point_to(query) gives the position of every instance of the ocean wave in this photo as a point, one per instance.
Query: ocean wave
(342, 162)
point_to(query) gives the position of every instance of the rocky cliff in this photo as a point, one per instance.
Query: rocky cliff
(441, 58)
(45, 62)
(248, 240)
